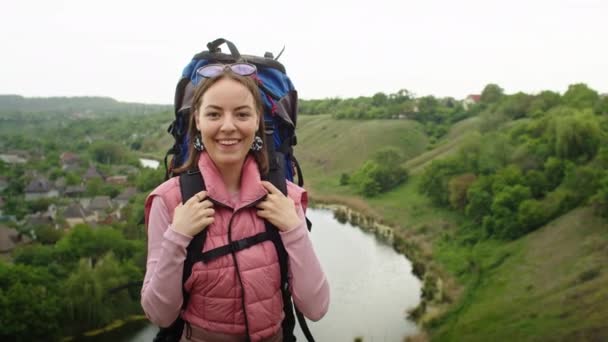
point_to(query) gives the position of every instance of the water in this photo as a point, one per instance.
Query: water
(151, 163)
(371, 286)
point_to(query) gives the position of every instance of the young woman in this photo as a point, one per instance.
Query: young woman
(236, 297)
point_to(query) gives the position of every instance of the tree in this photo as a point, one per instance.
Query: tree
(29, 304)
(515, 106)
(379, 99)
(479, 197)
(544, 101)
(575, 135)
(504, 221)
(492, 93)
(458, 187)
(580, 96)
(435, 179)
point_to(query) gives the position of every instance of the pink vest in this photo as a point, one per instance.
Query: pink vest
(217, 298)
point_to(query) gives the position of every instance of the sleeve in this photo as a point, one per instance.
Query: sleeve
(308, 283)
(161, 293)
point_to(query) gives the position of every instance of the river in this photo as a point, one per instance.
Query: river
(371, 287)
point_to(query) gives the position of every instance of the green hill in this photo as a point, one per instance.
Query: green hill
(81, 106)
(328, 147)
(547, 285)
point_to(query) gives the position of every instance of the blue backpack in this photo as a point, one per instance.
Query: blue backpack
(280, 118)
(280, 108)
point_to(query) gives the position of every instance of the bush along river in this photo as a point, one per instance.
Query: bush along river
(372, 286)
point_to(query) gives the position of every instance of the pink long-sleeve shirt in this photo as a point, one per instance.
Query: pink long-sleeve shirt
(161, 295)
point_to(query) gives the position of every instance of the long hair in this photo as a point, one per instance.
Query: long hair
(261, 156)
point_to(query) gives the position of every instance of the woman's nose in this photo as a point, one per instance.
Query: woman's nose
(228, 123)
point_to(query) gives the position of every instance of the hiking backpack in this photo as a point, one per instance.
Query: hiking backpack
(280, 118)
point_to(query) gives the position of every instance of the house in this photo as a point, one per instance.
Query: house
(125, 169)
(92, 173)
(117, 180)
(39, 219)
(75, 214)
(100, 206)
(123, 199)
(40, 188)
(74, 191)
(12, 158)
(10, 238)
(470, 101)
(69, 161)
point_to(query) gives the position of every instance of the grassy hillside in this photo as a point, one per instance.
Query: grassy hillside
(328, 147)
(548, 285)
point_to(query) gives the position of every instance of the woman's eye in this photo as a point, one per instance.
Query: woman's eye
(243, 115)
(212, 114)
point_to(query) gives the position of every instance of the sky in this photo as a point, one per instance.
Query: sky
(134, 50)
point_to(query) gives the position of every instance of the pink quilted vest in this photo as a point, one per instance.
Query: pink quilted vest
(217, 298)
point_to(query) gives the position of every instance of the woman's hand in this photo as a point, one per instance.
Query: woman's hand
(193, 216)
(278, 209)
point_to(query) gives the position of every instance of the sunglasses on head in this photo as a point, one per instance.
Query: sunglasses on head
(211, 70)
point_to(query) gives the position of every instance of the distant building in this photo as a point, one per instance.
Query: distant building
(101, 206)
(11, 238)
(470, 101)
(69, 161)
(74, 191)
(75, 214)
(12, 158)
(117, 180)
(40, 219)
(123, 199)
(92, 173)
(40, 188)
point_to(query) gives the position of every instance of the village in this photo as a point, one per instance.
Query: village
(69, 204)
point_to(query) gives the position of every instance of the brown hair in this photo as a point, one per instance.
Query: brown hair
(261, 157)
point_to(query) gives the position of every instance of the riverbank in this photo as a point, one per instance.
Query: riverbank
(439, 290)
(117, 324)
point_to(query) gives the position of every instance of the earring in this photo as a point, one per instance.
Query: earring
(257, 145)
(198, 143)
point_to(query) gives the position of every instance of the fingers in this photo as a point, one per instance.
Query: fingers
(198, 197)
(205, 204)
(271, 188)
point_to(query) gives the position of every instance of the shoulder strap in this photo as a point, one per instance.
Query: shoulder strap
(276, 175)
(191, 183)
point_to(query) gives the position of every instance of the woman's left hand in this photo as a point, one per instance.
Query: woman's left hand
(279, 209)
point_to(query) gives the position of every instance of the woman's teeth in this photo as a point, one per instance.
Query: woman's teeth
(228, 142)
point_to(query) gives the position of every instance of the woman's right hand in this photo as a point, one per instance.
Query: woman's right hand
(193, 216)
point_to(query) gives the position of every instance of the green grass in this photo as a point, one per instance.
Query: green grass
(549, 285)
(328, 147)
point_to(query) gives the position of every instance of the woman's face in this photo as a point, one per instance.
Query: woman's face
(228, 121)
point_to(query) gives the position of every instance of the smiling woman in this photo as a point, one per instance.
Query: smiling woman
(238, 287)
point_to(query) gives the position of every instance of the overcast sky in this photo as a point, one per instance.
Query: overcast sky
(136, 50)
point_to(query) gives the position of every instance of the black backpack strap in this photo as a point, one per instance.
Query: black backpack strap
(190, 183)
(232, 247)
(276, 176)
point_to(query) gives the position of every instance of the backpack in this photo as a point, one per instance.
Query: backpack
(280, 118)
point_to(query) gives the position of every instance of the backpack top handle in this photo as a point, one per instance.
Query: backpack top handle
(214, 47)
